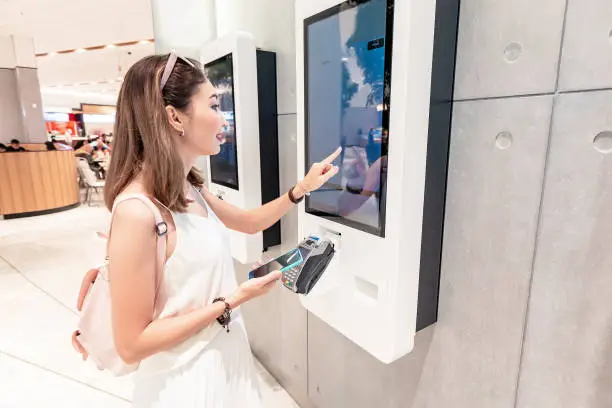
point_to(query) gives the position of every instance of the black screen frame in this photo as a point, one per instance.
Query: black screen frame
(230, 58)
(382, 213)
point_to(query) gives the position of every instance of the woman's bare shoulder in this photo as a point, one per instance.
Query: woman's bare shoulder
(133, 210)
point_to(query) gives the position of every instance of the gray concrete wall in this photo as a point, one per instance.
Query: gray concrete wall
(525, 317)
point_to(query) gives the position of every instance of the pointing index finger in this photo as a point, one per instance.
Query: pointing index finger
(329, 159)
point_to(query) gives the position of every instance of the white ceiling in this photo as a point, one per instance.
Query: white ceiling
(67, 24)
(59, 25)
(90, 66)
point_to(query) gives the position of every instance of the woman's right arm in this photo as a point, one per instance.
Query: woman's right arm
(132, 249)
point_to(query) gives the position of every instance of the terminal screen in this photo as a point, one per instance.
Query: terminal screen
(224, 165)
(347, 95)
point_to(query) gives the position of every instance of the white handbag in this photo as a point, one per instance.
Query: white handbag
(94, 337)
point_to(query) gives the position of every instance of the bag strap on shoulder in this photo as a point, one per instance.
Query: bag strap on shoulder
(144, 199)
(161, 228)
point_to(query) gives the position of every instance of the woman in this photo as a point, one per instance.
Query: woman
(167, 116)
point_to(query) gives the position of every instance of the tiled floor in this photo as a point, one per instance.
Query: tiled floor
(42, 261)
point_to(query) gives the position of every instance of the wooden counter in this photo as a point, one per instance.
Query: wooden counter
(33, 183)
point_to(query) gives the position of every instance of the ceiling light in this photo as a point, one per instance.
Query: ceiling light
(81, 50)
(52, 54)
(145, 42)
(111, 46)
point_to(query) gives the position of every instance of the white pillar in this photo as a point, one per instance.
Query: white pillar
(183, 25)
(272, 24)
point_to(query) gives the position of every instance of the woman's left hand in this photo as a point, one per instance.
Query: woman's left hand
(320, 173)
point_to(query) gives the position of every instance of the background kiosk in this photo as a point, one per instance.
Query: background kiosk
(370, 81)
(245, 172)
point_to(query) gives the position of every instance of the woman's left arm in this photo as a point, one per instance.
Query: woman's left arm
(255, 220)
(259, 219)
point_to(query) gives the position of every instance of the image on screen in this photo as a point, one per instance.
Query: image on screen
(348, 81)
(224, 165)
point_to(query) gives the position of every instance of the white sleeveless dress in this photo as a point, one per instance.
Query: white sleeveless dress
(213, 369)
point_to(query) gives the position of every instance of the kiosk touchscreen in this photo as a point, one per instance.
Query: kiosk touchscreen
(224, 165)
(367, 75)
(245, 79)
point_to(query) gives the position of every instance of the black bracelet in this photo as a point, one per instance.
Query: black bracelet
(225, 319)
(292, 197)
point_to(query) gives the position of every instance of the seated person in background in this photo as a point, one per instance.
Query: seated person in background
(15, 146)
(92, 152)
(83, 150)
(99, 144)
(78, 145)
(2, 148)
(101, 155)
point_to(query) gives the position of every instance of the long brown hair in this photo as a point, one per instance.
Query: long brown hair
(143, 136)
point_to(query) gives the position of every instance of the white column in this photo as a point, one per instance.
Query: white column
(183, 25)
(272, 24)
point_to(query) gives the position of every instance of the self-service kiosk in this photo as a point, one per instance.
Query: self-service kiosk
(245, 172)
(376, 77)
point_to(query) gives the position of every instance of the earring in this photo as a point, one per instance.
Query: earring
(182, 132)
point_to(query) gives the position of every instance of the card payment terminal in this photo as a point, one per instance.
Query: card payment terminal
(316, 255)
